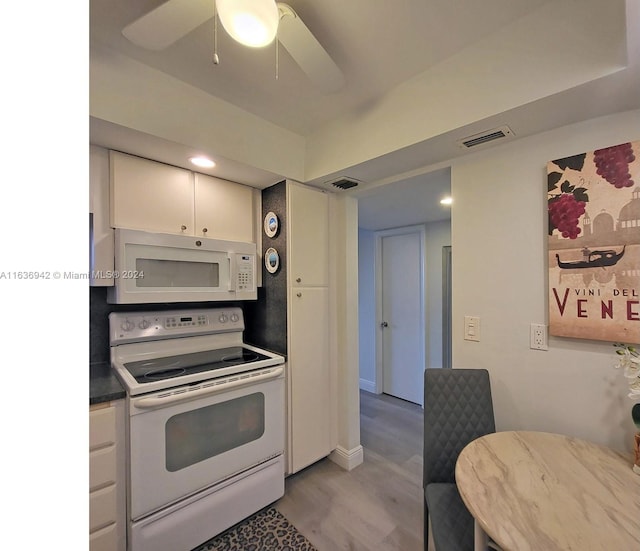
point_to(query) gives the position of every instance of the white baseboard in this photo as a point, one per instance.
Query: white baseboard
(369, 386)
(347, 459)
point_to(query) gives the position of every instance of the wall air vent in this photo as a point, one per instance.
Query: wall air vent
(344, 183)
(486, 136)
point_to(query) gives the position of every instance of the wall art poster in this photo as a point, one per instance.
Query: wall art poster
(594, 244)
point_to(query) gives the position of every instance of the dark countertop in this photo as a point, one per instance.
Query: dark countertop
(104, 386)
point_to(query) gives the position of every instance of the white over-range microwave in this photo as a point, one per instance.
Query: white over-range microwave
(158, 267)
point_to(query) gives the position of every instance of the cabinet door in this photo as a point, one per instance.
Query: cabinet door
(100, 232)
(308, 236)
(151, 196)
(310, 376)
(223, 209)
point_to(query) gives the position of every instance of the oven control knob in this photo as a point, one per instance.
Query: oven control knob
(127, 325)
(223, 318)
(144, 324)
(234, 318)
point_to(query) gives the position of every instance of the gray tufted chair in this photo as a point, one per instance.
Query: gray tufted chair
(457, 409)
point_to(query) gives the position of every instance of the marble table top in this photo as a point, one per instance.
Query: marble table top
(540, 491)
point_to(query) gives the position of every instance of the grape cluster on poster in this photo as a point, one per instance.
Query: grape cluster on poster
(567, 202)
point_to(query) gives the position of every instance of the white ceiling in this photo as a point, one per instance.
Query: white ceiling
(387, 50)
(412, 200)
(378, 44)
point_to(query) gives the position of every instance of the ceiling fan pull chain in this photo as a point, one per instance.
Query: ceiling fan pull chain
(277, 55)
(216, 59)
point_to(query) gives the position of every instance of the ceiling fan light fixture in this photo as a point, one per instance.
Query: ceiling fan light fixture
(253, 23)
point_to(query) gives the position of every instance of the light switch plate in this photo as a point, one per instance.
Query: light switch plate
(472, 328)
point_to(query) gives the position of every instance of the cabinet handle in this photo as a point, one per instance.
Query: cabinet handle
(204, 230)
(298, 279)
(298, 295)
(183, 227)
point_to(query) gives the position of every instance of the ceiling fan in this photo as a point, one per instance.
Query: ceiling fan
(173, 19)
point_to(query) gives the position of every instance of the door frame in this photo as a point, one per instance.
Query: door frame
(379, 235)
(447, 330)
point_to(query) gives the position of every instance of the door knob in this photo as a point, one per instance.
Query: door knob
(384, 324)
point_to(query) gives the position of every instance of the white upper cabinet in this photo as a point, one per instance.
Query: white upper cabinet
(308, 236)
(101, 233)
(223, 209)
(151, 196)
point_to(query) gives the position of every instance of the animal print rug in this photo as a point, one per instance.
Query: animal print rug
(267, 530)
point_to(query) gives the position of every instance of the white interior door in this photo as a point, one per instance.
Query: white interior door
(402, 328)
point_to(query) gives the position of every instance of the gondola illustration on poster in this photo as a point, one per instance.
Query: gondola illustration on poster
(594, 244)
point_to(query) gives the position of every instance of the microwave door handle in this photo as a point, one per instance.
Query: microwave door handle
(232, 276)
(242, 380)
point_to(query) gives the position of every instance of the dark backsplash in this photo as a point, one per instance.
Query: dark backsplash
(268, 315)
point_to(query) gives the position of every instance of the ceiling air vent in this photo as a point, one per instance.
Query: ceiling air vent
(344, 183)
(484, 137)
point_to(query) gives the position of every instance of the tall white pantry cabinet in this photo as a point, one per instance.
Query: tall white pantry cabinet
(311, 401)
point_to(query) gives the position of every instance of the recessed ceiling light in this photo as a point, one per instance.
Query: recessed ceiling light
(202, 162)
(446, 201)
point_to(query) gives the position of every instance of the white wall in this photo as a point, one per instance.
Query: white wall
(367, 308)
(500, 274)
(438, 236)
(344, 246)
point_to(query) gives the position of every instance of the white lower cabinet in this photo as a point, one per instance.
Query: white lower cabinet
(107, 516)
(309, 377)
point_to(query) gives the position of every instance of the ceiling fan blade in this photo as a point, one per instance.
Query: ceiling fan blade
(307, 52)
(167, 23)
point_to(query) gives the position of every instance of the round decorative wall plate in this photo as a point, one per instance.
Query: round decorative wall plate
(271, 224)
(271, 260)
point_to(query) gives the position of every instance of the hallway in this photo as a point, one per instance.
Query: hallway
(378, 505)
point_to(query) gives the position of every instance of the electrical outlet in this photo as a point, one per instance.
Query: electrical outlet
(539, 336)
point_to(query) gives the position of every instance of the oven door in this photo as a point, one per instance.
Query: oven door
(186, 439)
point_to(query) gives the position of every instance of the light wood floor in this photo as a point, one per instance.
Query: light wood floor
(377, 505)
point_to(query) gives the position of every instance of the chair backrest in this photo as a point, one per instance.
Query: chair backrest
(458, 408)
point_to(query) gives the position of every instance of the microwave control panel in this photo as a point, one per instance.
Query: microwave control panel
(246, 270)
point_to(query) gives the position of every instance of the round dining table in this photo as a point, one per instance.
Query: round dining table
(538, 491)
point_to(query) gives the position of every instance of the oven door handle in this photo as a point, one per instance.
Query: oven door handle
(242, 380)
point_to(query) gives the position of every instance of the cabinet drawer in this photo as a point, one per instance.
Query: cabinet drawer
(102, 508)
(104, 540)
(102, 427)
(102, 467)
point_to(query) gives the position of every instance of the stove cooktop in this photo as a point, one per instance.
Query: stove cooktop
(170, 367)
